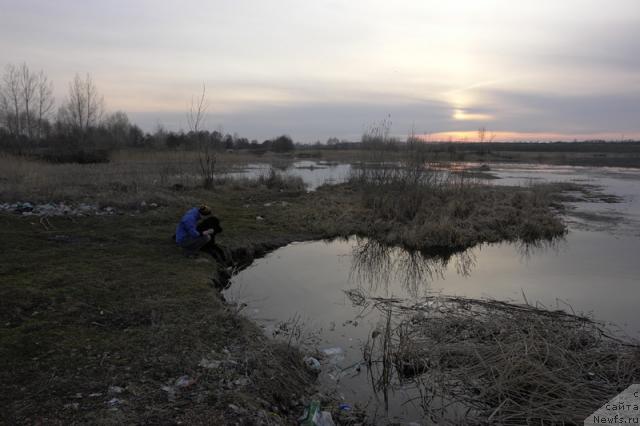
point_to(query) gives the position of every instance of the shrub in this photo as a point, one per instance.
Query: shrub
(275, 180)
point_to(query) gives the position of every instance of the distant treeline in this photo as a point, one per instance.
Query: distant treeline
(79, 130)
(559, 146)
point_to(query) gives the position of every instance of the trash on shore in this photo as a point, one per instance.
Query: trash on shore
(312, 364)
(335, 355)
(345, 407)
(114, 402)
(52, 209)
(313, 416)
(184, 381)
(211, 365)
(115, 390)
(332, 351)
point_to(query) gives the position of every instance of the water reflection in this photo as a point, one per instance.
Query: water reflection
(376, 266)
(529, 249)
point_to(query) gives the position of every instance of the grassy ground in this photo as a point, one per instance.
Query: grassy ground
(100, 302)
(90, 303)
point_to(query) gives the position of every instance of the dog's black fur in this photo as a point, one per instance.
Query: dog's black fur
(212, 222)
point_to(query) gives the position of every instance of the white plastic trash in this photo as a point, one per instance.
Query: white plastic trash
(332, 351)
(312, 364)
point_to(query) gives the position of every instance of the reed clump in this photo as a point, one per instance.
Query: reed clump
(416, 205)
(280, 181)
(498, 362)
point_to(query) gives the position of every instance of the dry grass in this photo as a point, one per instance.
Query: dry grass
(415, 205)
(115, 303)
(484, 361)
(128, 179)
(412, 206)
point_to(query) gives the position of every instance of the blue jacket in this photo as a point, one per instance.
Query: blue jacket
(186, 229)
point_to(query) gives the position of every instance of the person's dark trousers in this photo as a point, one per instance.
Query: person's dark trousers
(192, 245)
(216, 252)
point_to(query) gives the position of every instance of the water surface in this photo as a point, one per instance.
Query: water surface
(593, 270)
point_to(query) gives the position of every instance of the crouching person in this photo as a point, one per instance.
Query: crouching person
(187, 235)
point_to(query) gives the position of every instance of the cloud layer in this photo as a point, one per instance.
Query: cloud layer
(330, 68)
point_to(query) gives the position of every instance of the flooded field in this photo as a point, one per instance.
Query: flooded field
(301, 292)
(313, 173)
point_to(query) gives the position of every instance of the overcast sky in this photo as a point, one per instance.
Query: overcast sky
(313, 69)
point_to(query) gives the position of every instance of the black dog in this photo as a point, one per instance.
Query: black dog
(211, 247)
(210, 222)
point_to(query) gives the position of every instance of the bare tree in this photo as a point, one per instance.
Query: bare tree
(45, 101)
(118, 126)
(28, 92)
(482, 133)
(195, 119)
(197, 111)
(84, 107)
(10, 100)
(26, 100)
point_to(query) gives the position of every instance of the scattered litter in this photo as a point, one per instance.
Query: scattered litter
(243, 381)
(184, 381)
(114, 402)
(332, 351)
(345, 407)
(311, 413)
(95, 395)
(171, 392)
(324, 419)
(335, 355)
(259, 218)
(115, 389)
(312, 364)
(205, 363)
(55, 209)
(235, 408)
(314, 417)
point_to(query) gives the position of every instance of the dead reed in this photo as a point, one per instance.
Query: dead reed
(128, 179)
(498, 362)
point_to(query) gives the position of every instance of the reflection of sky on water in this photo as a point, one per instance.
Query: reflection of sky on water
(594, 270)
(313, 173)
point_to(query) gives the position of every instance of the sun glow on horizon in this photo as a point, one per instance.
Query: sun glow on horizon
(513, 136)
(461, 114)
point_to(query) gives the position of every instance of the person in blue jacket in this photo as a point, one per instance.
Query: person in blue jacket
(187, 235)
